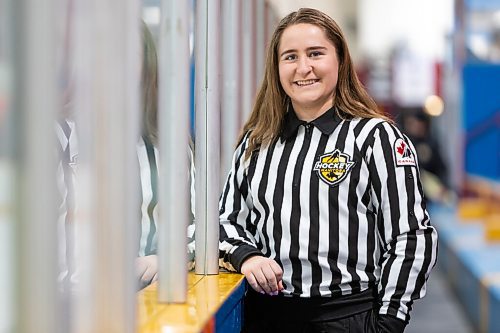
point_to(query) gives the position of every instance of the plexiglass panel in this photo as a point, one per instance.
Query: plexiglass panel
(6, 177)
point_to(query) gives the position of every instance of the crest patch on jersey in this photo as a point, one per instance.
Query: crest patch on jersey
(403, 154)
(333, 167)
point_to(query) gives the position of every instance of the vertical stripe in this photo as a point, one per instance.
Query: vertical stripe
(314, 220)
(151, 244)
(65, 132)
(333, 231)
(420, 206)
(430, 251)
(404, 178)
(233, 198)
(273, 228)
(296, 221)
(392, 188)
(146, 193)
(281, 230)
(261, 192)
(354, 219)
(407, 262)
(255, 217)
(325, 226)
(390, 268)
(342, 215)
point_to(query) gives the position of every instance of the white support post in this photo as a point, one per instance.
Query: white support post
(248, 57)
(106, 101)
(174, 142)
(207, 108)
(260, 41)
(231, 113)
(35, 301)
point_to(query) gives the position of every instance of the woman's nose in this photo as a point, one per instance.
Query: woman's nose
(303, 65)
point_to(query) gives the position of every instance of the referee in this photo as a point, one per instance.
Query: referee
(323, 209)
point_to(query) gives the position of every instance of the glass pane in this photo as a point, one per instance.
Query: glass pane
(98, 130)
(172, 73)
(6, 177)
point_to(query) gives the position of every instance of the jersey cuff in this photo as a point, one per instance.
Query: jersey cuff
(242, 253)
(390, 324)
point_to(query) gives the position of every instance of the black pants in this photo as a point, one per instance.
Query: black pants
(274, 314)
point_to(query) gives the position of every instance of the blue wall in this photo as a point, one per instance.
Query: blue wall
(481, 115)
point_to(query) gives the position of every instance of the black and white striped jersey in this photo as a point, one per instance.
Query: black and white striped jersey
(67, 179)
(148, 157)
(338, 204)
(67, 151)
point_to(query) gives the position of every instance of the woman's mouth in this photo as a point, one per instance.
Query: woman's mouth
(303, 83)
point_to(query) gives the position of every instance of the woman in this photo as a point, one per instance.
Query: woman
(147, 261)
(147, 152)
(323, 210)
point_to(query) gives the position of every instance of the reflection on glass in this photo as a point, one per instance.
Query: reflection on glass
(101, 81)
(6, 185)
(149, 156)
(147, 152)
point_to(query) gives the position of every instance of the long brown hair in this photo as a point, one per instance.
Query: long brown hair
(149, 86)
(351, 99)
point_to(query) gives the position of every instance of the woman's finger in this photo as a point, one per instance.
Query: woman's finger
(270, 276)
(252, 281)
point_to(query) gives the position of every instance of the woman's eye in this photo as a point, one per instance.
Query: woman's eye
(315, 54)
(291, 57)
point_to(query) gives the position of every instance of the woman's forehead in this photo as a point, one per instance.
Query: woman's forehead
(303, 35)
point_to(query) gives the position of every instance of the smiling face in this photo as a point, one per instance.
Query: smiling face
(308, 69)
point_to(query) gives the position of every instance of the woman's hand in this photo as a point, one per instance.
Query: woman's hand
(146, 269)
(263, 274)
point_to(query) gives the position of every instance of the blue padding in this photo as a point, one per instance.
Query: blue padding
(494, 315)
(481, 104)
(477, 264)
(228, 318)
(467, 259)
(482, 260)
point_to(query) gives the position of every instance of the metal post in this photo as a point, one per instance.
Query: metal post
(260, 40)
(106, 100)
(248, 57)
(207, 108)
(174, 140)
(33, 108)
(231, 99)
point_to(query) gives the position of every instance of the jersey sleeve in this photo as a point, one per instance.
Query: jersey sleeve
(409, 242)
(235, 205)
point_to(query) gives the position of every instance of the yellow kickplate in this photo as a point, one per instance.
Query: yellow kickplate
(472, 208)
(492, 228)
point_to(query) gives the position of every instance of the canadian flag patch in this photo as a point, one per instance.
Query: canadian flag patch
(403, 154)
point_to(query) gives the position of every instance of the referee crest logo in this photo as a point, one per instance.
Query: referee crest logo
(333, 167)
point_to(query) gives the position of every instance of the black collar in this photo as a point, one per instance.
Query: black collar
(326, 123)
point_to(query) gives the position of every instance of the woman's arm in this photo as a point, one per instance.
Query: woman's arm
(235, 205)
(238, 251)
(409, 241)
